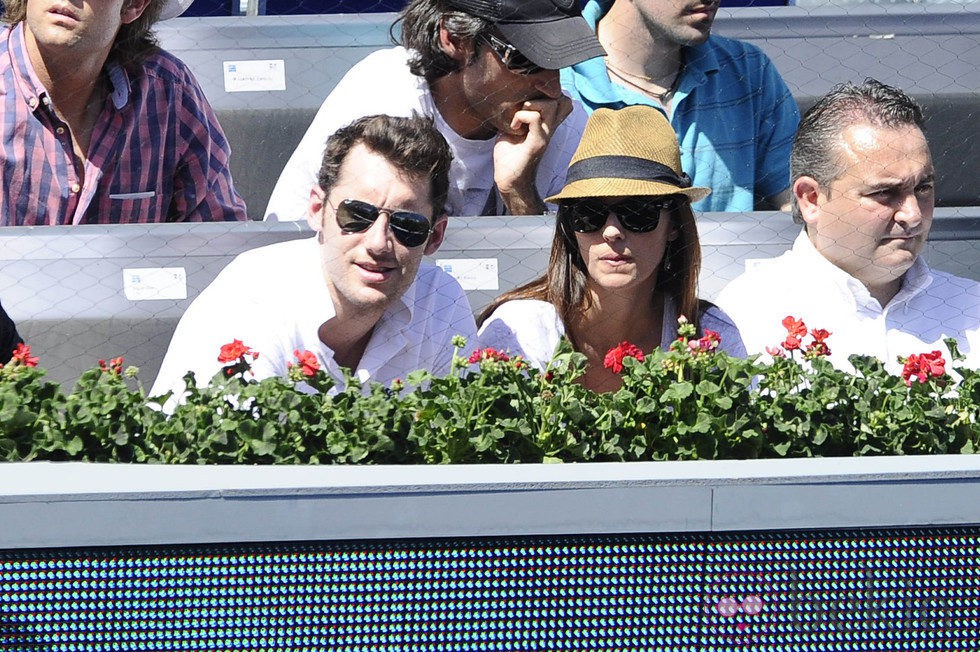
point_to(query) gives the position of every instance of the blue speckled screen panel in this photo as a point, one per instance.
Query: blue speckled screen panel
(785, 591)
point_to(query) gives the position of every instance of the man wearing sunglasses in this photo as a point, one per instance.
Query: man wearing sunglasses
(487, 73)
(357, 295)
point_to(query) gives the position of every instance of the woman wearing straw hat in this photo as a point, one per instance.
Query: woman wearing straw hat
(625, 256)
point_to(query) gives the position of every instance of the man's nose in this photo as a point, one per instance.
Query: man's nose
(910, 210)
(378, 238)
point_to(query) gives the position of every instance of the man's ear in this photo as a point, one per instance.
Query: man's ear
(457, 48)
(808, 196)
(438, 233)
(314, 208)
(132, 10)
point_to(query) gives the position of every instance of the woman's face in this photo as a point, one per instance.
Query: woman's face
(618, 258)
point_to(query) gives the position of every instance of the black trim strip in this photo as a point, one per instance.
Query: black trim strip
(624, 167)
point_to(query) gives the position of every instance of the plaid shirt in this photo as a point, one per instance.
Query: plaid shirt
(157, 153)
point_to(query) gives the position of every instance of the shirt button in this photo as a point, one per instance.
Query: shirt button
(75, 187)
(32, 102)
(60, 130)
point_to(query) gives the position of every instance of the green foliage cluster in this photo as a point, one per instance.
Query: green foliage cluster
(685, 402)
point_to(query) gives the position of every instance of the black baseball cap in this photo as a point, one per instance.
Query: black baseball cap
(551, 33)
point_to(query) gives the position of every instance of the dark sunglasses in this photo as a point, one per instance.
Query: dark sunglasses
(636, 214)
(511, 57)
(410, 229)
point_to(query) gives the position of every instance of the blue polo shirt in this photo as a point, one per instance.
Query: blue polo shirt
(733, 114)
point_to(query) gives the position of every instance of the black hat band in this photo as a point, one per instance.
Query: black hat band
(625, 167)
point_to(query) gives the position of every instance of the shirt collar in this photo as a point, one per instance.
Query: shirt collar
(120, 84)
(699, 62)
(594, 10)
(28, 84)
(915, 280)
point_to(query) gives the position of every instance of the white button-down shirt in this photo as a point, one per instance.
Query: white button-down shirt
(930, 306)
(274, 300)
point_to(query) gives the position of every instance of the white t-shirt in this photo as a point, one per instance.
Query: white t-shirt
(532, 329)
(383, 84)
(930, 306)
(274, 300)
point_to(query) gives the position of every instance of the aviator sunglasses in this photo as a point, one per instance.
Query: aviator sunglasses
(636, 214)
(511, 57)
(410, 229)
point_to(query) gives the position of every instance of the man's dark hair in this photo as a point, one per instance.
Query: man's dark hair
(816, 149)
(134, 42)
(412, 145)
(420, 21)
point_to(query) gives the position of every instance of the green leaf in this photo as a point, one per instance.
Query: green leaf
(677, 392)
(707, 388)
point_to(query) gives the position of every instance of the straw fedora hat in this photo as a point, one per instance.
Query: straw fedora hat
(627, 152)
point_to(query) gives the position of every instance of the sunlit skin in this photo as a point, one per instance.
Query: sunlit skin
(622, 263)
(681, 22)
(68, 42)
(644, 37)
(622, 268)
(366, 272)
(873, 221)
(484, 99)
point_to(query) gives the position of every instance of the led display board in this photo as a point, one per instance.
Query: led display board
(771, 555)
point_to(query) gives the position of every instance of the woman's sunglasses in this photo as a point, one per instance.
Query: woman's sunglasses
(636, 214)
(511, 57)
(410, 229)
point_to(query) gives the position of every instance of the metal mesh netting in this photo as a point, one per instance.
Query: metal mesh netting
(80, 294)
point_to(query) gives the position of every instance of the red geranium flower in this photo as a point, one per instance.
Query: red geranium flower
(795, 332)
(234, 351)
(922, 366)
(308, 364)
(820, 334)
(794, 326)
(22, 354)
(616, 355)
(488, 353)
(816, 349)
(113, 366)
